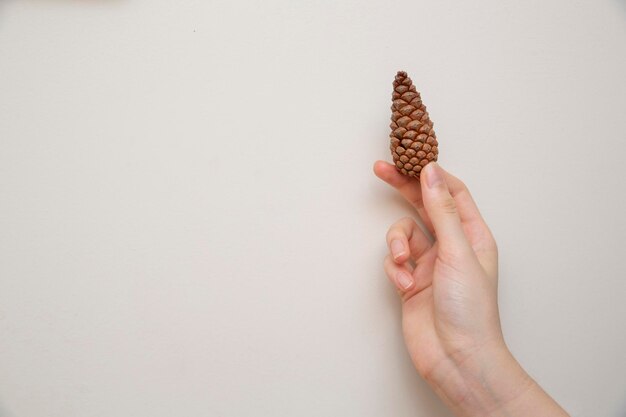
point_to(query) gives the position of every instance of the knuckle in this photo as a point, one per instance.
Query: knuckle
(494, 247)
(391, 233)
(462, 186)
(417, 202)
(400, 227)
(448, 205)
(490, 242)
(405, 221)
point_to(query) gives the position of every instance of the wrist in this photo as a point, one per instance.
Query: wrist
(481, 382)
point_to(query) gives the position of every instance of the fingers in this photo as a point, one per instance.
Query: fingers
(399, 275)
(408, 187)
(442, 210)
(478, 232)
(406, 240)
(407, 282)
(466, 205)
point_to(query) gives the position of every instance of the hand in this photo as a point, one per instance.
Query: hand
(448, 288)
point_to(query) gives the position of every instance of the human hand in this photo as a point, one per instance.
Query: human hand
(448, 288)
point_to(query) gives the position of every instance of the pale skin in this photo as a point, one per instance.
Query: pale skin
(447, 283)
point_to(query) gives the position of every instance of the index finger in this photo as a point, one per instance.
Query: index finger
(408, 187)
(476, 229)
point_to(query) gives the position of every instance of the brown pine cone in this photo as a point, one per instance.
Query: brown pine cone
(413, 140)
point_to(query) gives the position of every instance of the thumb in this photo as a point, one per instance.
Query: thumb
(442, 210)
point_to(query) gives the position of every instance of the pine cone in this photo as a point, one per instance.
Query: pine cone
(413, 140)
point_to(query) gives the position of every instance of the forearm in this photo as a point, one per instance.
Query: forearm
(491, 383)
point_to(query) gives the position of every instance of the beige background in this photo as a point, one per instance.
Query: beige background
(190, 226)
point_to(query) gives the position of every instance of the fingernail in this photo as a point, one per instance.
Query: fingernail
(397, 248)
(433, 175)
(404, 280)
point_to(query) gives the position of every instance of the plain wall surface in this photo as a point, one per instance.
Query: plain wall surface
(189, 224)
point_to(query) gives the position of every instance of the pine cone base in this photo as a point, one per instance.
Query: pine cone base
(413, 142)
